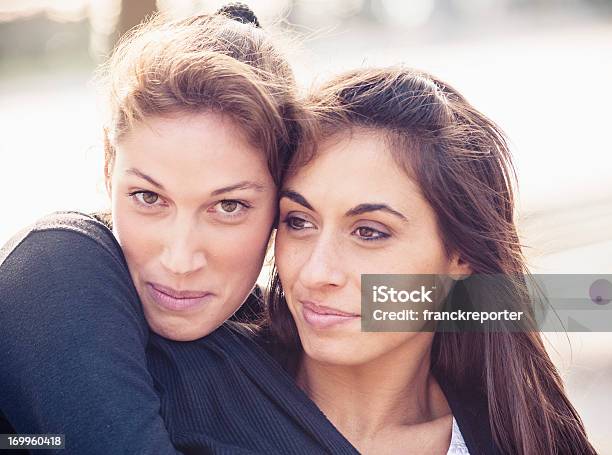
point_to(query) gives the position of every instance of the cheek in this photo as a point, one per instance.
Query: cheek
(289, 256)
(240, 247)
(432, 258)
(238, 250)
(420, 253)
(138, 239)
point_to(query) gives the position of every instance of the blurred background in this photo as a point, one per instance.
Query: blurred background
(542, 69)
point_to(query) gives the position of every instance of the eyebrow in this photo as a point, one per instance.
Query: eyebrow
(246, 185)
(297, 198)
(144, 176)
(365, 208)
(358, 210)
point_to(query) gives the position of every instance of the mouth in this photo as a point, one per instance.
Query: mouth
(175, 300)
(322, 317)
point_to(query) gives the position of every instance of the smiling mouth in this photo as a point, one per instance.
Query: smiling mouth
(322, 317)
(171, 299)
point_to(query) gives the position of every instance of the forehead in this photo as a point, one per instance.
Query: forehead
(355, 166)
(201, 149)
(202, 131)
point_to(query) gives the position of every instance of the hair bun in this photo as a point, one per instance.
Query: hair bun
(239, 12)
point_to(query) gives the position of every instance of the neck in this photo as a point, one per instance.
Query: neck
(366, 400)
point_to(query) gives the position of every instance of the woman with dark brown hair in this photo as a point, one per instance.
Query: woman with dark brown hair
(409, 178)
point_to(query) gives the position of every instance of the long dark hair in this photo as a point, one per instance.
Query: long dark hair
(462, 163)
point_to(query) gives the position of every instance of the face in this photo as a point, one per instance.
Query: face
(193, 204)
(352, 211)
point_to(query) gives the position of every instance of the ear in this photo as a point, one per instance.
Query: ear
(108, 175)
(459, 268)
(109, 161)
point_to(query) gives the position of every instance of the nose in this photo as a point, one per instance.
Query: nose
(183, 252)
(324, 266)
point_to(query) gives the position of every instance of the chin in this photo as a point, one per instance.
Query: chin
(180, 335)
(335, 352)
(177, 330)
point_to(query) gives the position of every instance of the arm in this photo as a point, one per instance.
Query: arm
(72, 344)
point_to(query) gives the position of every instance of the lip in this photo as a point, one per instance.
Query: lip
(171, 299)
(322, 317)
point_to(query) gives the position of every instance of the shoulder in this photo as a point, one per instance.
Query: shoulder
(67, 266)
(62, 234)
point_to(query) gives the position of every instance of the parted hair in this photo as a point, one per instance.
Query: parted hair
(463, 165)
(215, 63)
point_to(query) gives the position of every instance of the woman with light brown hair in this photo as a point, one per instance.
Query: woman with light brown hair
(203, 118)
(409, 178)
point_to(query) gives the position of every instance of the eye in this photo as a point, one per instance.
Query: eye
(230, 207)
(146, 198)
(296, 223)
(367, 233)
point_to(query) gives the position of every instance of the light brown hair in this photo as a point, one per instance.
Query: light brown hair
(204, 63)
(462, 163)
